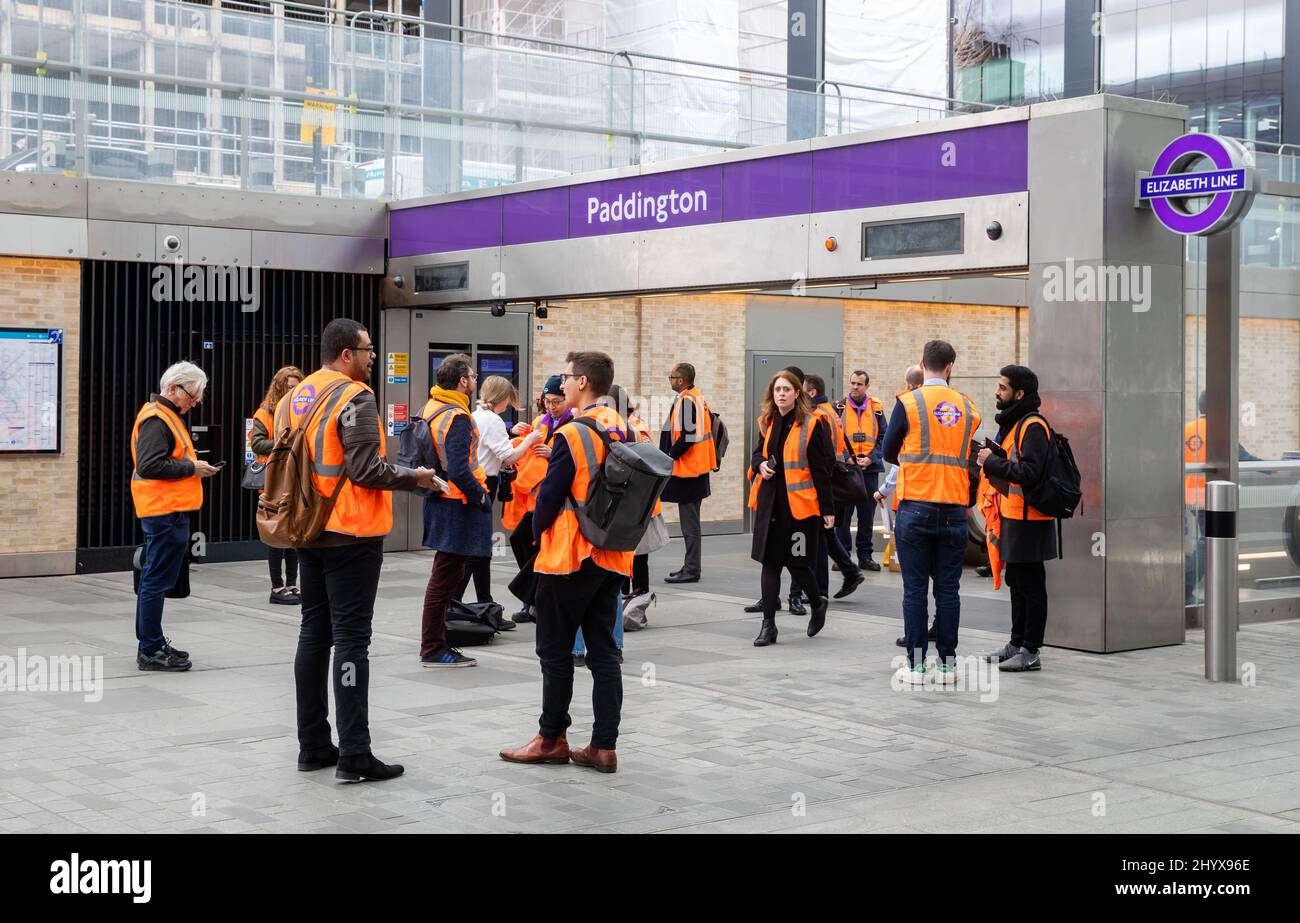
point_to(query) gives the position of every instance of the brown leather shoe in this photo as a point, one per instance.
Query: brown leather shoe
(597, 759)
(538, 750)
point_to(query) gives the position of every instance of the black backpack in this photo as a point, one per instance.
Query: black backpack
(621, 498)
(721, 439)
(1057, 492)
(469, 624)
(415, 447)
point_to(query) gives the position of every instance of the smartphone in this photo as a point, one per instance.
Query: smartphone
(220, 464)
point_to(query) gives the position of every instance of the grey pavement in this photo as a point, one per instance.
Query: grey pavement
(717, 736)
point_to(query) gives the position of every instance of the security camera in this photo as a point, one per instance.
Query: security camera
(171, 243)
(994, 230)
(539, 310)
(499, 309)
(398, 282)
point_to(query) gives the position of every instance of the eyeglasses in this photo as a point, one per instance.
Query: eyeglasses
(565, 376)
(675, 378)
(193, 400)
(364, 349)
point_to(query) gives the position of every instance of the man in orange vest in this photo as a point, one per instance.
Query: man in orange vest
(340, 569)
(688, 441)
(457, 523)
(166, 486)
(864, 425)
(830, 547)
(1026, 537)
(929, 437)
(577, 584)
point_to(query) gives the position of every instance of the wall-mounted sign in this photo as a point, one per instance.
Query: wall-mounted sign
(1200, 185)
(399, 368)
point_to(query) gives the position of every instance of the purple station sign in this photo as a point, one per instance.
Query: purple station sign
(1199, 168)
(987, 160)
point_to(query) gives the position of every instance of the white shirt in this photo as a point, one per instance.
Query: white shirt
(493, 441)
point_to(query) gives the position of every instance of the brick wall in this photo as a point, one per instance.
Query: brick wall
(38, 493)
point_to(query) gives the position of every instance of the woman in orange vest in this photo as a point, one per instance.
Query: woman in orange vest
(166, 486)
(554, 412)
(261, 438)
(790, 494)
(1025, 537)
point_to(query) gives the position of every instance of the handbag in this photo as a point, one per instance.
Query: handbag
(254, 476)
(848, 487)
(655, 537)
(180, 589)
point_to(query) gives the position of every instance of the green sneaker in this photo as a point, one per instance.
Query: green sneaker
(947, 675)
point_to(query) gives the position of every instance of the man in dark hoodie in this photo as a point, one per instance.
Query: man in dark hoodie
(1028, 537)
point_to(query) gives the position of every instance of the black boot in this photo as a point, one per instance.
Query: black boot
(796, 605)
(362, 768)
(818, 616)
(767, 633)
(852, 580)
(321, 758)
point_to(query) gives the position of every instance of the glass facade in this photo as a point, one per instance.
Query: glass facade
(1008, 52)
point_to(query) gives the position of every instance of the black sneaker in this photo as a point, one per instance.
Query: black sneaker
(869, 564)
(797, 606)
(167, 646)
(366, 768)
(280, 597)
(523, 615)
(293, 595)
(320, 758)
(163, 660)
(448, 657)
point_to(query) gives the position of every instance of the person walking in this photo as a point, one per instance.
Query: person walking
(577, 583)
(928, 438)
(688, 441)
(457, 521)
(340, 568)
(790, 494)
(1027, 537)
(166, 486)
(496, 454)
(518, 514)
(864, 424)
(829, 548)
(283, 562)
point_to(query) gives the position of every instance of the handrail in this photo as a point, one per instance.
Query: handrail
(240, 90)
(401, 17)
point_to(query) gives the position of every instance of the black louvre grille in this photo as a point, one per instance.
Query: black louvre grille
(128, 339)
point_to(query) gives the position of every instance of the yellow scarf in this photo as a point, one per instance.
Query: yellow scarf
(449, 397)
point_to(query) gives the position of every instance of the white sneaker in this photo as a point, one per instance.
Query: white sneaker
(914, 676)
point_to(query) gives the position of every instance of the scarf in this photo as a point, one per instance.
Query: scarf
(1015, 412)
(446, 396)
(554, 423)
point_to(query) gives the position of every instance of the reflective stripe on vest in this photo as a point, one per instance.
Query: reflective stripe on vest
(359, 511)
(440, 416)
(155, 496)
(1013, 505)
(800, 490)
(701, 457)
(933, 459)
(563, 546)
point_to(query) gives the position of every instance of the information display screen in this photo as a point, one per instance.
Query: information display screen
(31, 389)
(913, 237)
(449, 278)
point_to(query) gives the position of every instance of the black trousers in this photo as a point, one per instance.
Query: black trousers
(640, 575)
(290, 558)
(689, 517)
(1028, 586)
(801, 575)
(583, 599)
(829, 549)
(338, 608)
(480, 569)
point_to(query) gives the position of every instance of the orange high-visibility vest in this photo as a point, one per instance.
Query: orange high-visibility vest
(1013, 505)
(157, 497)
(642, 431)
(701, 457)
(1194, 454)
(564, 547)
(799, 487)
(439, 416)
(940, 422)
(861, 431)
(359, 511)
(826, 412)
(530, 470)
(263, 416)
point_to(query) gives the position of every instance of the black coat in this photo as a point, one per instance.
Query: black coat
(774, 528)
(1024, 541)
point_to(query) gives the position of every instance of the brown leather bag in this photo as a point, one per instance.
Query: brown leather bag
(290, 511)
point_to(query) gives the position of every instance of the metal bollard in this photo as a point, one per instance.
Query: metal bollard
(1221, 581)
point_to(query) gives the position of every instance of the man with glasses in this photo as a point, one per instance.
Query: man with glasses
(166, 486)
(688, 441)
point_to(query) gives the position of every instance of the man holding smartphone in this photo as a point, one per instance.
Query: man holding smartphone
(166, 486)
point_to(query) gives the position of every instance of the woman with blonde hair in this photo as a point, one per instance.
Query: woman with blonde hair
(495, 452)
(790, 494)
(284, 589)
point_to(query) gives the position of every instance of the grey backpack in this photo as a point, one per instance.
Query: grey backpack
(621, 498)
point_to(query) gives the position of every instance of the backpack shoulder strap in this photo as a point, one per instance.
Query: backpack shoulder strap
(594, 424)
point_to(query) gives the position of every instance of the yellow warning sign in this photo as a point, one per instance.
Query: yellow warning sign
(318, 114)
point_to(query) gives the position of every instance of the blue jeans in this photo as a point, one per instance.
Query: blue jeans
(580, 646)
(931, 541)
(165, 540)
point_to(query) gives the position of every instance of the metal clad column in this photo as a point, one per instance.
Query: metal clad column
(1221, 581)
